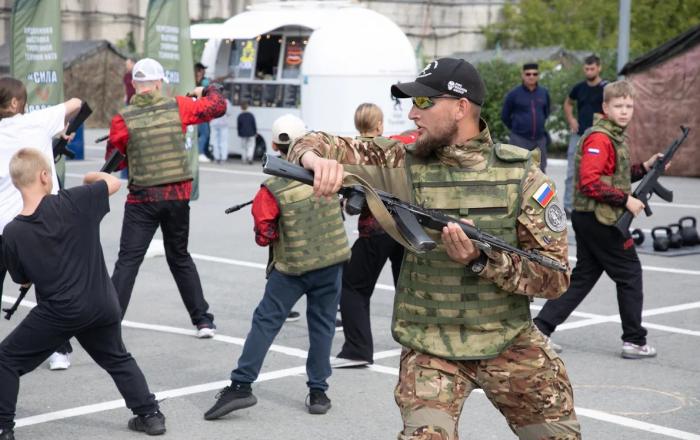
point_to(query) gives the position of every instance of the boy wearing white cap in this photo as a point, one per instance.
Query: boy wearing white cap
(309, 247)
(150, 132)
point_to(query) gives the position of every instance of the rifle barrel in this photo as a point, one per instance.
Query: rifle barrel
(238, 207)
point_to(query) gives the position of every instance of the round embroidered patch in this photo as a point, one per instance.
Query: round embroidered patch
(555, 217)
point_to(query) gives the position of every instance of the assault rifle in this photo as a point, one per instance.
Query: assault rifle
(410, 219)
(650, 184)
(60, 144)
(110, 165)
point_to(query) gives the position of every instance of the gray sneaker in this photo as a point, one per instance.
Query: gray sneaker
(634, 351)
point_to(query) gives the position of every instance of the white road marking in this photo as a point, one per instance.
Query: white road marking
(636, 424)
(227, 171)
(278, 374)
(674, 205)
(177, 392)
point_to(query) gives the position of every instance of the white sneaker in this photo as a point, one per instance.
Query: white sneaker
(634, 351)
(293, 316)
(203, 158)
(59, 361)
(339, 362)
(206, 331)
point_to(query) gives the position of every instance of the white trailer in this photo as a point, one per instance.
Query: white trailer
(317, 60)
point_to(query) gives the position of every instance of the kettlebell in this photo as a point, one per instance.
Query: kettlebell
(661, 243)
(688, 231)
(675, 240)
(637, 236)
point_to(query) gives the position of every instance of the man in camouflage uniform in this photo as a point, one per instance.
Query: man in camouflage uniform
(461, 314)
(309, 247)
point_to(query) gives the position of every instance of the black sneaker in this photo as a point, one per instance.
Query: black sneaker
(231, 398)
(293, 316)
(7, 434)
(317, 402)
(152, 424)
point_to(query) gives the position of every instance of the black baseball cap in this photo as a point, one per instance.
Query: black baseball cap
(445, 76)
(200, 66)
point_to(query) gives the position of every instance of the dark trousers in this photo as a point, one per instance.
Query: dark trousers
(369, 254)
(43, 331)
(322, 288)
(203, 135)
(3, 270)
(140, 223)
(600, 248)
(65, 348)
(530, 144)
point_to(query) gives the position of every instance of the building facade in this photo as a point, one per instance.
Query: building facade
(434, 27)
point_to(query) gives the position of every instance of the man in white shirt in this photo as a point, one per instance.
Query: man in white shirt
(19, 130)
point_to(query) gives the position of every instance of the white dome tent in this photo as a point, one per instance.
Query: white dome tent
(318, 60)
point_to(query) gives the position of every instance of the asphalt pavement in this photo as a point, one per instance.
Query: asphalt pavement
(615, 398)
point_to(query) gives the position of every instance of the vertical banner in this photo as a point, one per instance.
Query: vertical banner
(36, 55)
(167, 39)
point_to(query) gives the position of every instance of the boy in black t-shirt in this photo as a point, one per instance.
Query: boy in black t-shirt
(54, 243)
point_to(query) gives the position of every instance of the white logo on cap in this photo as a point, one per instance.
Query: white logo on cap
(428, 69)
(456, 87)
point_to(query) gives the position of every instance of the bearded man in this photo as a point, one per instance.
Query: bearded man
(461, 314)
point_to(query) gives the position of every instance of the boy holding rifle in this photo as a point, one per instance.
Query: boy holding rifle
(602, 193)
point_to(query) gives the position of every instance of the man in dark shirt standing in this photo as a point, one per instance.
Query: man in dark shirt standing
(54, 243)
(150, 132)
(247, 130)
(203, 129)
(129, 90)
(588, 95)
(525, 110)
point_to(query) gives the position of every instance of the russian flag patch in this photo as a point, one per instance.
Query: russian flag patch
(593, 150)
(544, 195)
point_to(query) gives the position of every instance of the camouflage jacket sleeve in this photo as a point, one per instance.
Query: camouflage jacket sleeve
(348, 151)
(538, 228)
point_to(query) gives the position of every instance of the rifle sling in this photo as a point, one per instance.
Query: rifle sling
(379, 211)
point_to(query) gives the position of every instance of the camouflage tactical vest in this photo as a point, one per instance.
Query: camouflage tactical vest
(156, 148)
(441, 307)
(311, 231)
(620, 179)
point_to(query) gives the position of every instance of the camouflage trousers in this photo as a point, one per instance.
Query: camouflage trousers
(527, 383)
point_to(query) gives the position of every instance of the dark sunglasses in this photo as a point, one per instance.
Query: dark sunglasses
(532, 74)
(425, 102)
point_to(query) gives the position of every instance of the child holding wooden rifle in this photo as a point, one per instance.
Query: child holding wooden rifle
(602, 192)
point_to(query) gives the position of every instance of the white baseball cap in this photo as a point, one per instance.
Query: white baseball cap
(287, 128)
(148, 69)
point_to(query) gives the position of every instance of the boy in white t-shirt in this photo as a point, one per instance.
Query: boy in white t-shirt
(19, 130)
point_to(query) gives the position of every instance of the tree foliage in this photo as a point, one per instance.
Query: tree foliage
(591, 24)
